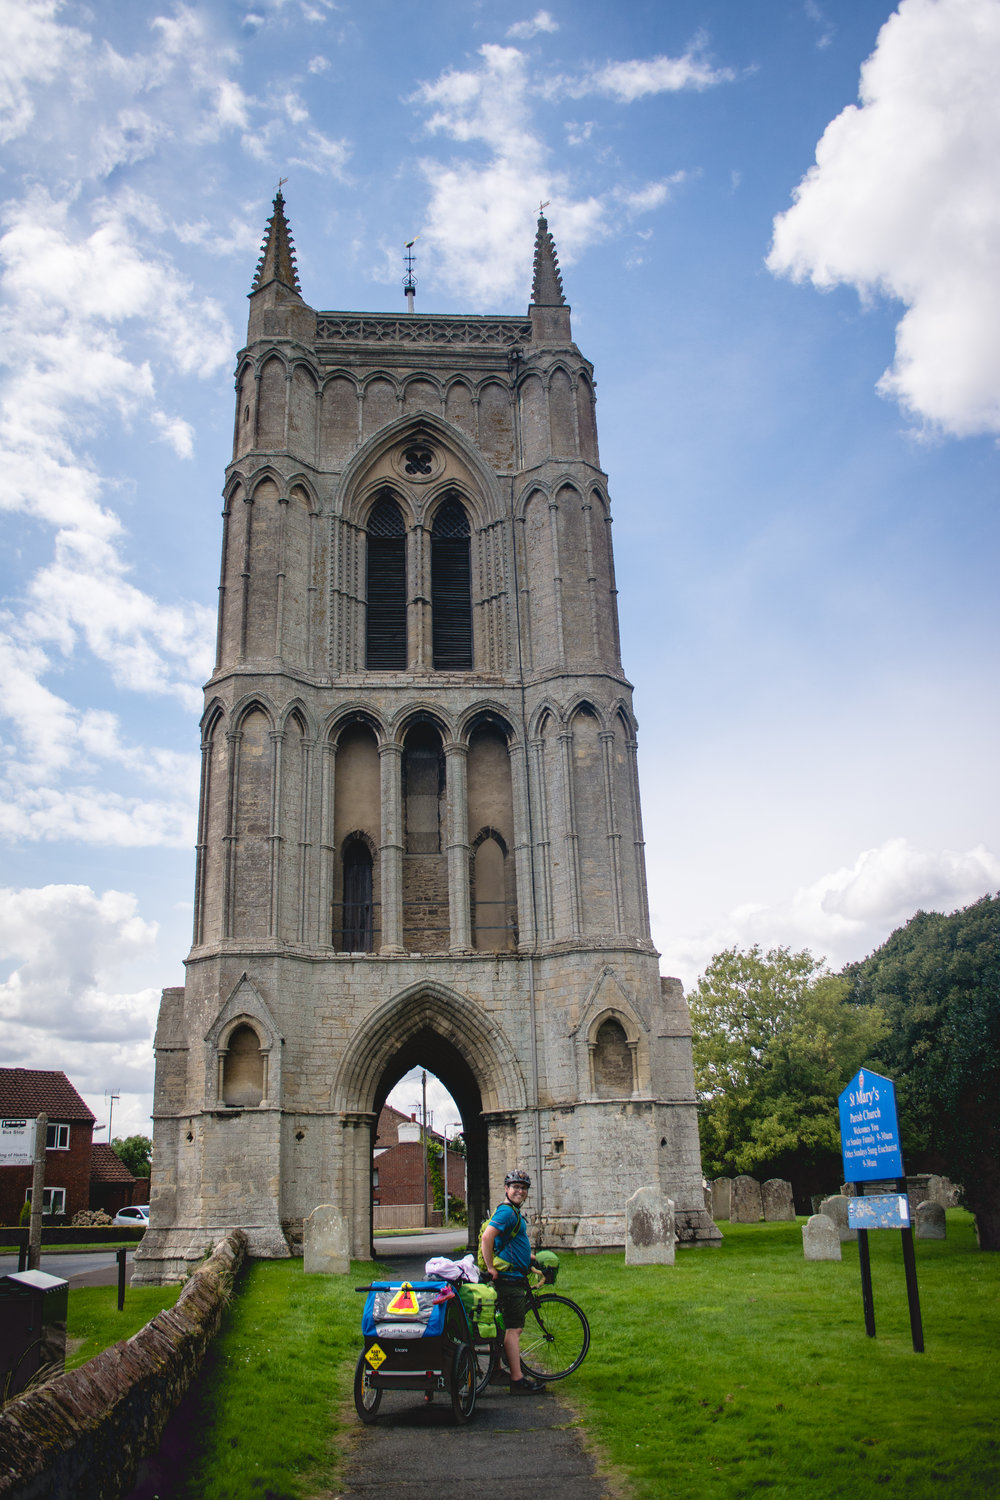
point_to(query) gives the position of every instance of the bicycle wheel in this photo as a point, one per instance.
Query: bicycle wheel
(463, 1384)
(487, 1354)
(367, 1399)
(555, 1338)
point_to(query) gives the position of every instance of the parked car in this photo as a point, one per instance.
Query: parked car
(136, 1217)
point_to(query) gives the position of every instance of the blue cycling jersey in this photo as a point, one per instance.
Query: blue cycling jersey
(514, 1248)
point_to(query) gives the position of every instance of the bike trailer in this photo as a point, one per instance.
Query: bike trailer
(417, 1337)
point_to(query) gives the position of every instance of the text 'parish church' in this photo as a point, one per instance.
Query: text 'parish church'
(419, 839)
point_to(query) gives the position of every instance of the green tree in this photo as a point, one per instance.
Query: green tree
(775, 1040)
(135, 1151)
(938, 981)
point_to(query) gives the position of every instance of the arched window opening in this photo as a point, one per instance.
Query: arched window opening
(357, 932)
(491, 932)
(423, 783)
(243, 1070)
(451, 588)
(613, 1073)
(386, 588)
(426, 920)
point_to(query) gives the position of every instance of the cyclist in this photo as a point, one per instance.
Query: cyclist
(507, 1225)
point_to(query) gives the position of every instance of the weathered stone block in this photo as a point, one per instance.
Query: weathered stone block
(650, 1237)
(325, 1242)
(820, 1239)
(779, 1205)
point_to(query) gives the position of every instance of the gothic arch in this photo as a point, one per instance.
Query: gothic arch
(422, 713)
(349, 715)
(421, 1007)
(482, 714)
(296, 709)
(610, 1001)
(245, 1006)
(488, 503)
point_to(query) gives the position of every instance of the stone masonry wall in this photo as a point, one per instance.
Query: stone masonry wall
(81, 1436)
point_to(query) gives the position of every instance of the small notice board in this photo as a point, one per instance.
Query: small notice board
(17, 1143)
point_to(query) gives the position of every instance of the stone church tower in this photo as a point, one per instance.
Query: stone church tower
(419, 834)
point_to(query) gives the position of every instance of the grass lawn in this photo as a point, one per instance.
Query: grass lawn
(737, 1371)
(746, 1370)
(93, 1321)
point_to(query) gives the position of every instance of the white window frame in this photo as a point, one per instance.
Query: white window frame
(57, 1138)
(53, 1200)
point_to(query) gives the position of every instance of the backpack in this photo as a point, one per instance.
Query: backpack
(500, 1243)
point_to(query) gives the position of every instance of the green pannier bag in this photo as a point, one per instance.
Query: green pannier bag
(548, 1260)
(479, 1299)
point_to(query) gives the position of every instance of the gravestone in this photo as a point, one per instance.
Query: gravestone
(835, 1209)
(820, 1240)
(746, 1206)
(708, 1199)
(930, 1220)
(722, 1197)
(942, 1191)
(779, 1205)
(325, 1248)
(649, 1229)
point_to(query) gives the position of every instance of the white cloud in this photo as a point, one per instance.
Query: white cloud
(319, 64)
(847, 913)
(176, 432)
(523, 31)
(628, 81)
(904, 200)
(495, 203)
(653, 195)
(827, 30)
(68, 945)
(63, 1005)
(35, 49)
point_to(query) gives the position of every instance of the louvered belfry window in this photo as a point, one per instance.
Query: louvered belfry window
(385, 641)
(451, 588)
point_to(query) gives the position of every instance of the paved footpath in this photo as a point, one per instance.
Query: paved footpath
(524, 1446)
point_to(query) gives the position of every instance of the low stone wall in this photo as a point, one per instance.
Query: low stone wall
(81, 1436)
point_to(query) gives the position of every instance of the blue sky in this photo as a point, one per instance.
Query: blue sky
(779, 226)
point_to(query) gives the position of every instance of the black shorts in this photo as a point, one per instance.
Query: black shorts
(513, 1299)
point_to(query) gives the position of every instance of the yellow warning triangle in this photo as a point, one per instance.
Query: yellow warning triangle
(405, 1303)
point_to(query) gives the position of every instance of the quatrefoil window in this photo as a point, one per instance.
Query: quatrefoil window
(418, 461)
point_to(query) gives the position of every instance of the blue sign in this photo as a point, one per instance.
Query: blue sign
(880, 1211)
(869, 1130)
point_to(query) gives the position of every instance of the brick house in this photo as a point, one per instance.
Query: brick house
(112, 1185)
(398, 1162)
(26, 1093)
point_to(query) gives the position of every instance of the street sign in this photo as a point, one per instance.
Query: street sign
(879, 1211)
(869, 1130)
(17, 1143)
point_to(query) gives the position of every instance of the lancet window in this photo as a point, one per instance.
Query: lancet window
(451, 588)
(386, 588)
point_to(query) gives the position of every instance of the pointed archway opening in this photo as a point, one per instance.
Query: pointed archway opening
(427, 1049)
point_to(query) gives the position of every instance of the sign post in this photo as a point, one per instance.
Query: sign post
(869, 1143)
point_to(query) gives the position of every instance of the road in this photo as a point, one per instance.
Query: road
(88, 1268)
(425, 1243)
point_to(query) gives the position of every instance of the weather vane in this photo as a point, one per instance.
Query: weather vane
(281, 183)
(543, 206)
(409, 280)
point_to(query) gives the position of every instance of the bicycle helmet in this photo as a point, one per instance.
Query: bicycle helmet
(517, 1178)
